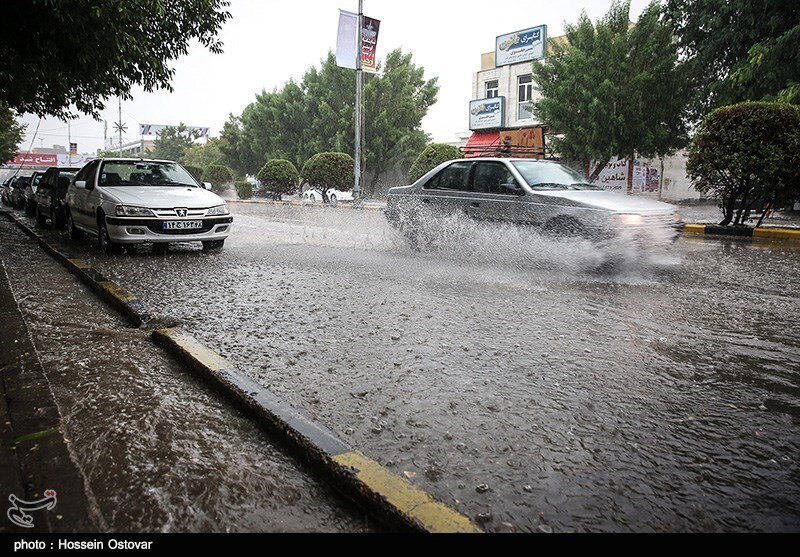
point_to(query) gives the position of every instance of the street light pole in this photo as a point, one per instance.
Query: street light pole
(359, 85)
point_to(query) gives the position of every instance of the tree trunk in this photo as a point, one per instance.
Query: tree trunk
(738, 220)
(767, 209)
(597, 170)
(728, 206)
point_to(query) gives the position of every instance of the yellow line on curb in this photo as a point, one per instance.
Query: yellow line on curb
(80, 264)
(409, 500)
(116, 291)
(204, 356)
(694, 228)
(777, 233)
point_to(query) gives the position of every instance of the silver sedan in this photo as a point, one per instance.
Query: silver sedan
(544, 194)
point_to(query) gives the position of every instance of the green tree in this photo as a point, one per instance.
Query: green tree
(279, 176)
(745, 154)
(244, 189)
(737, 50)
(172, 142)
(326, 171)
(203, 154)
(432, 156)
(195, 171)
(613, 89)
(10, 134)
(317, 115)
(220, 177)
(59, 54)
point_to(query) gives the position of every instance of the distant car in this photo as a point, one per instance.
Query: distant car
(129, 201)
(49, 199)
(30, 192)
(313, 195)
(543, 194)
(18, 191)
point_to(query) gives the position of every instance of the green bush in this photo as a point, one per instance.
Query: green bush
(220, 177)
(745, 154)
(195, 171)
(244, 189)
(279, 176)
(326, 171)
(432, 156)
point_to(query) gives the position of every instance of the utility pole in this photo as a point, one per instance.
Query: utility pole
(119, 121)
(359, 85)
(69, 142)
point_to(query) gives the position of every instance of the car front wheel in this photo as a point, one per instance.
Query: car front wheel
(74, 233)
(40, 218)
(104, 242)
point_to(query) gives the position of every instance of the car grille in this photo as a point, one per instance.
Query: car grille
(170, 213)
(659, 220)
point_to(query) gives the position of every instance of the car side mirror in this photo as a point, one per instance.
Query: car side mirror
(207, 185)
(512, 189)
(80, 184)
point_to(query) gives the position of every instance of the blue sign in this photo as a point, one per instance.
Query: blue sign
(521, 46)
(487, 114)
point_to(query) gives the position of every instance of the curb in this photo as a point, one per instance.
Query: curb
(742, 232)
(112, 293)
(357, 476)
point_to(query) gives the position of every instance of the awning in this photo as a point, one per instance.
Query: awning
(483, 144)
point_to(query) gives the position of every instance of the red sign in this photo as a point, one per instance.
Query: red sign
(33, 159)
(369, 44)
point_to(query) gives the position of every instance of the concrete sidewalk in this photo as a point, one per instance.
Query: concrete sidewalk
(34, 456)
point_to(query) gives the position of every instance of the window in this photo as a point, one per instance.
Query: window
(525, 90)
(453, 177)
(143, 173)
(489, 177)
(492, 89)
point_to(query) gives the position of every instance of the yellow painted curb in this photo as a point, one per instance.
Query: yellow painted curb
(116, 291)
(79, 264)
(694, 228)
(785, 234)
(204, 356)
(412, 502)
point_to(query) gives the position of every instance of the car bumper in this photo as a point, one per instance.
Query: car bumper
(123, 230)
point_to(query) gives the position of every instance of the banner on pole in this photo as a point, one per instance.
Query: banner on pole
(347, 42)
(155, 129)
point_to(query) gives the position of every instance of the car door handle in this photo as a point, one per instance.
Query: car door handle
(426, 200)
(474, 204)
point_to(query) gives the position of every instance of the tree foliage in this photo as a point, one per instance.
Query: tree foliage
(10, 134)
(737, 50)
(317, 115)
(244, 189)
(195, 171)
(279, 176)
(325, 171)
(613, 89)
(219, 175)
(432, 156)
(58, 54)
(203, 154)
(745, 154)
(172, 142)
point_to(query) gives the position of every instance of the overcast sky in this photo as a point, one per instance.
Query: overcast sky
(267, 42)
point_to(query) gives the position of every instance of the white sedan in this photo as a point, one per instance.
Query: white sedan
(313, 195)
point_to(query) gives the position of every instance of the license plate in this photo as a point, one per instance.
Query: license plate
(182, 224)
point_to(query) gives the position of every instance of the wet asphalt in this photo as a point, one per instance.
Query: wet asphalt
(500, 371)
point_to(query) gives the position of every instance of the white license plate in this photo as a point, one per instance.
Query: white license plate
(182, 224)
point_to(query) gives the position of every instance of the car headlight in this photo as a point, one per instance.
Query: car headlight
(627, 219)
(128, 211)
(218, 210)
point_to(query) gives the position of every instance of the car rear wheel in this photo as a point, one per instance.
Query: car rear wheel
(40, 218)
(210, 245)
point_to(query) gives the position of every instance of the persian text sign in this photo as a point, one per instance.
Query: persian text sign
(487, 114)
(521, 46)
(33, 159)
(369, 44)
(614, 177)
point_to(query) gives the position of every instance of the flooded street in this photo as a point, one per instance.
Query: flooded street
(159, 450)
(499, 372)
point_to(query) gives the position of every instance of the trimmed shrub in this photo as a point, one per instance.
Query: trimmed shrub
(195, 171)
(747, 154)
(279, 176)
(220, 177)
(244, 189)
(326, 171)
(432, 156)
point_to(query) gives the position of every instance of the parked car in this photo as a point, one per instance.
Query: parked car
(49, 201)
(18, 191)
(312, 195)
(127, 201)
(5, 191)
(30, 192)
(544, 194)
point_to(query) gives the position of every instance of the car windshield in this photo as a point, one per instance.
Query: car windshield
(552, 176)
(145, 173)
